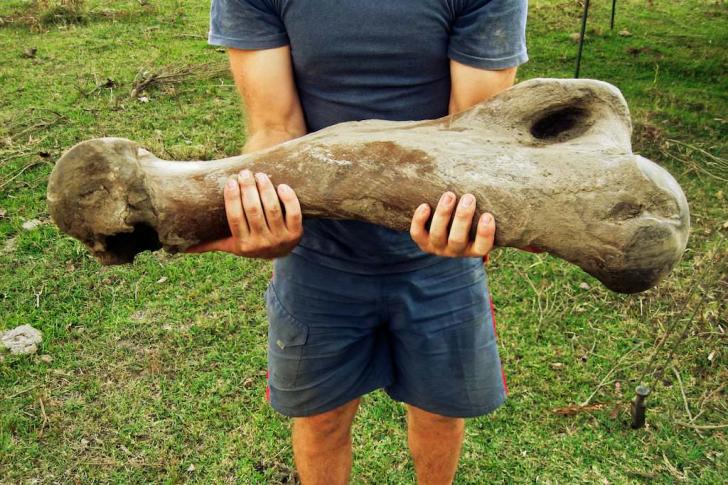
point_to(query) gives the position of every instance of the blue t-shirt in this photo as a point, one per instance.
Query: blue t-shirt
(373, 59)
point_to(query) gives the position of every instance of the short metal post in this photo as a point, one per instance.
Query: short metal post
(639, 408)
(581, 37)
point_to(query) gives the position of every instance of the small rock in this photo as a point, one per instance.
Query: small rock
(31, 224)
(30, 52)
(22, 340)
(46, 359)
(191, 468)
(625, 33)
(584, 285)
(575, 37)
(162, 280)
(143, 99)
(9, 246)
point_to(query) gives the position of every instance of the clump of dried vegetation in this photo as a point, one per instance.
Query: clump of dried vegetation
(166, 77)
(64, 12)
(40, 14)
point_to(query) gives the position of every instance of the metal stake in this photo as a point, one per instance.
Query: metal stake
(581, 37)
(639, 407)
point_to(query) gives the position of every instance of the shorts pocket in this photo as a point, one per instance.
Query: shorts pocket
(286, 338)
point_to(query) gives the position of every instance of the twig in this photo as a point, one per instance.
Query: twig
(538, 300)
(671, 329)
(21, 392)
(45, 417)
(38, 294)
(698, 149)
(682, 391)
(20, 172)
(693, 165)
(191, 36)
(702, 426)
(604, 380)
(5, 160)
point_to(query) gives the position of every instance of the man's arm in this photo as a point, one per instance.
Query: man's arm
(259, 228)
(469, 86)
(265, 82)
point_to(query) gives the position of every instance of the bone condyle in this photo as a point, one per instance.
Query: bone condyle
(550, 158)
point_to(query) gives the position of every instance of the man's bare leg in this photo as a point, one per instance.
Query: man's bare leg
(435, 443)
(322, 446)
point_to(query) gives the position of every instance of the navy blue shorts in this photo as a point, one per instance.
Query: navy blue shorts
(426, 336)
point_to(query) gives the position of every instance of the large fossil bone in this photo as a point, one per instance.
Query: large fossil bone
(551, 159)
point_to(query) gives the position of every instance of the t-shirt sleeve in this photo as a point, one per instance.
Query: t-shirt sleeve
(246, 24)
(489, 34)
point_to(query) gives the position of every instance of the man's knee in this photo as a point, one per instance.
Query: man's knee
(419, 419)
(331, 427)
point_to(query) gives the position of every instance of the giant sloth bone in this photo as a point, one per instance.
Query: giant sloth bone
(551, 159)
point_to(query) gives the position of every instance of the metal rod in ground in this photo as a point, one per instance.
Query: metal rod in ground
(581, 38)
(639, 408)
(614, 9)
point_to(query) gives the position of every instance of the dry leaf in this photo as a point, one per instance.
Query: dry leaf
(575, 409)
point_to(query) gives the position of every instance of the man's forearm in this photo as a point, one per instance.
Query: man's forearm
(268, 137)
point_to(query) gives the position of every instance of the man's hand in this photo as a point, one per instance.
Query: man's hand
(457, 242)
(257, 222)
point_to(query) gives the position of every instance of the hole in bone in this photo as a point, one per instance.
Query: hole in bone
(561, 124)
(125, 245)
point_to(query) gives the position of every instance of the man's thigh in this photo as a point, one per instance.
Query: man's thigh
(326, 342)
(445, 355)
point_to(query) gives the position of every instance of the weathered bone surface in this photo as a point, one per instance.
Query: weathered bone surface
(551, 159)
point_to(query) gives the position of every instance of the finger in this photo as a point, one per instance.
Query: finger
(484, 237)
(441, 220)
(227, 244)
(418, 231)
(271, 206)
(234, 210)
(294, 218)
(459, 236)
(251, 203)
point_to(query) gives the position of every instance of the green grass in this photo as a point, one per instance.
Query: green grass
(158, 368)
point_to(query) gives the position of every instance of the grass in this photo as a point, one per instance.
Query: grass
(156, 371)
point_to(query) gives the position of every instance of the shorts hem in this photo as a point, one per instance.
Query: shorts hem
(297, 412)
(449, 411)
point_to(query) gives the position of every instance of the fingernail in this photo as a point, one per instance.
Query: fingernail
(231, 184)
(467, 200)
(485, 219)
(261, 177)
(284, 189)
(422, 209)
(446, 198)
(245, 175)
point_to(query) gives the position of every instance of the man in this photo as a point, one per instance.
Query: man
(355, 307)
